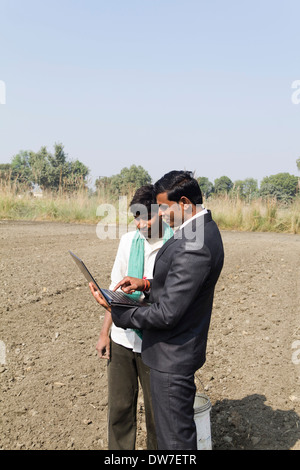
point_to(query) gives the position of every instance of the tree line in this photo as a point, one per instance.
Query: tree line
(50, 171)
(282, 186)
(56, 172)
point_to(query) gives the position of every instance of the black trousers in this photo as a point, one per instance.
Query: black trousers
(125, 370)
(173, 398)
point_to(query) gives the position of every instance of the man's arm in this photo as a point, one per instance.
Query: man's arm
(188, 272)
(118, 272)
(132, 284)
(103, 345)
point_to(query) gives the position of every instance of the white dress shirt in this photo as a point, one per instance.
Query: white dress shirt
(128, 337)
(202, 212)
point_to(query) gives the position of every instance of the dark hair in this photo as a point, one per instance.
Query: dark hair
(144, 196)
(177, 184)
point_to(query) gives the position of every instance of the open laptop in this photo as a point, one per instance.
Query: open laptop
(117, 298)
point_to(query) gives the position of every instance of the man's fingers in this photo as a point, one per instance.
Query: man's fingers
(128, 285)
(121, 283)
(104, 354)
(92, 287)
(101, 298)
(128, 290)
(98, 296)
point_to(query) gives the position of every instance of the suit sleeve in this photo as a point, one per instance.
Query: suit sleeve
(187, 274)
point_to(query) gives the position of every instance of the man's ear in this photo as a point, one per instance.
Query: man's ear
(185, 202)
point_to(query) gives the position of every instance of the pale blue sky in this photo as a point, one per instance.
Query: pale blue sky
(166, 84)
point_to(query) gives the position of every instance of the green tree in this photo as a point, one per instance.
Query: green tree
(125, 182)
(133, 178)
(5, 166)
(40, 168)
(298, 163)
(20, 168)
(49, 171)
(5, 171)
(206, 186)
(283, 186)
(59, 159)
(76, 175)
(223, 184)
(247, 188)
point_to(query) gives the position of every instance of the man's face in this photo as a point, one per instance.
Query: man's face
(171, 212)
(148, 225)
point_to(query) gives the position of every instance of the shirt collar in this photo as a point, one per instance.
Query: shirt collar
(204, 211)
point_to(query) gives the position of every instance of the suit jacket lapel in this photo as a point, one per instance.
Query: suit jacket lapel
(207, 218)
(168, 243)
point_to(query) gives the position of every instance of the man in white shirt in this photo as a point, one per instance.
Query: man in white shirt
(122, 347)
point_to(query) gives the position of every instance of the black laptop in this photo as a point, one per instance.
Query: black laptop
(117, 298)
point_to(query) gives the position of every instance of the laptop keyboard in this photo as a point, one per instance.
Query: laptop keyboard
(121, 297)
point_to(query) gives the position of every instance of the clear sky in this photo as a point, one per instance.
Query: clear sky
(166, 84)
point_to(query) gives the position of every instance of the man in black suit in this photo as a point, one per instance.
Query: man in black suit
(176, 323)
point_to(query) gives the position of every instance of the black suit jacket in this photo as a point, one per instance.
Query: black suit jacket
(175, 325)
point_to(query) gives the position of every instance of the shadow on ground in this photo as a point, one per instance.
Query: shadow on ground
(250, 424)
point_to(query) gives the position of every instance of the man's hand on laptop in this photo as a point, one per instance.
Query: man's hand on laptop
(130, 285)
(98, 296)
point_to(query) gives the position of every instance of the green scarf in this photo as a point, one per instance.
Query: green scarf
(136, 259)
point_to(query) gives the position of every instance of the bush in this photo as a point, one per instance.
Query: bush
(282, 186)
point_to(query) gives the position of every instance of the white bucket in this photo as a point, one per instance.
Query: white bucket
(202, 408)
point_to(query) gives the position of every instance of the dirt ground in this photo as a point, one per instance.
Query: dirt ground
(53, 387)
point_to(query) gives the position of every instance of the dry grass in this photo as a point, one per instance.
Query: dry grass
(258, 215)
(229, 213)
